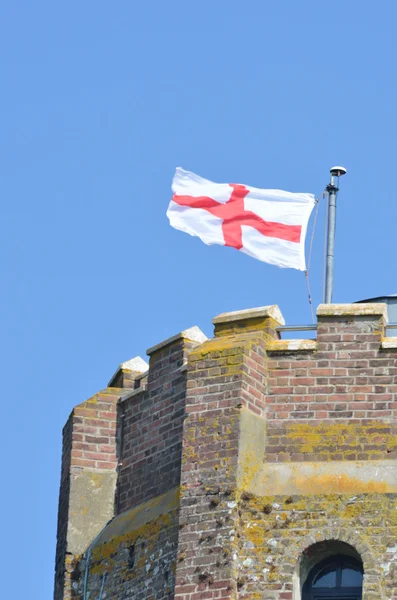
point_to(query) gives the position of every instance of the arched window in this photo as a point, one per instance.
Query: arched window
(336, 577)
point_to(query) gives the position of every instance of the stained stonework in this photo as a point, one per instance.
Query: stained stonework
(135, 554)
(235, 464)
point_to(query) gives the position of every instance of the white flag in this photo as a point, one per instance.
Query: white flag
(269, 225)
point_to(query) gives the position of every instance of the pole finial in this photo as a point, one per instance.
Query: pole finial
(338, 171)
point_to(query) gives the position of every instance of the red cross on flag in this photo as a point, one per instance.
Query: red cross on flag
(269, 225)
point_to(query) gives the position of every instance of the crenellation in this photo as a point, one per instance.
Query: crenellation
(232, 466)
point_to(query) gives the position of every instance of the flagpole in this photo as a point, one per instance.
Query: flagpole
(332, 190)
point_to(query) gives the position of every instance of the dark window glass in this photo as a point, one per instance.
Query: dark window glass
(351, 577)
(325, 578)
(338, 577)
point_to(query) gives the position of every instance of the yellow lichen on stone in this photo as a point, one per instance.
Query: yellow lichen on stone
(96, 479)
(329, 438)
(358, 309)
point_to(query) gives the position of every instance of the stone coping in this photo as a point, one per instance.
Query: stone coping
(136, 364)
(271, 311)
(389, 343)
(353, 310)
(194, 334)
(291, 345)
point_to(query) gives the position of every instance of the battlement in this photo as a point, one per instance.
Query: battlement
(182, 443)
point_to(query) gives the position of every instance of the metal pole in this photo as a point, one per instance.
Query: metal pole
(329, 267)
(332, 190)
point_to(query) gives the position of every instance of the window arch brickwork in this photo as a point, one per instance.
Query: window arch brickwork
(331, 569)
(311, 550)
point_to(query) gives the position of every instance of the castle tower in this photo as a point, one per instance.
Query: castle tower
(242, 467)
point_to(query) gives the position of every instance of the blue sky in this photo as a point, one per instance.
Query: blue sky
(100, 102)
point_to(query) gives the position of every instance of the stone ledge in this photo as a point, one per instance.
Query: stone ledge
(291, 345)
(138, 516)
(272, 311)
(389, 343)
(193, 334)
(353, 310)
(335, 477)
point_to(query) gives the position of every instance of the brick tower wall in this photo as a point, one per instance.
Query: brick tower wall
(239, 461)
(152, 422)
(305, 456)
(329, 458)
(119, 497)
(88, 482)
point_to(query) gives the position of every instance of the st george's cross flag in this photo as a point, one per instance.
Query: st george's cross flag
(269, 225)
